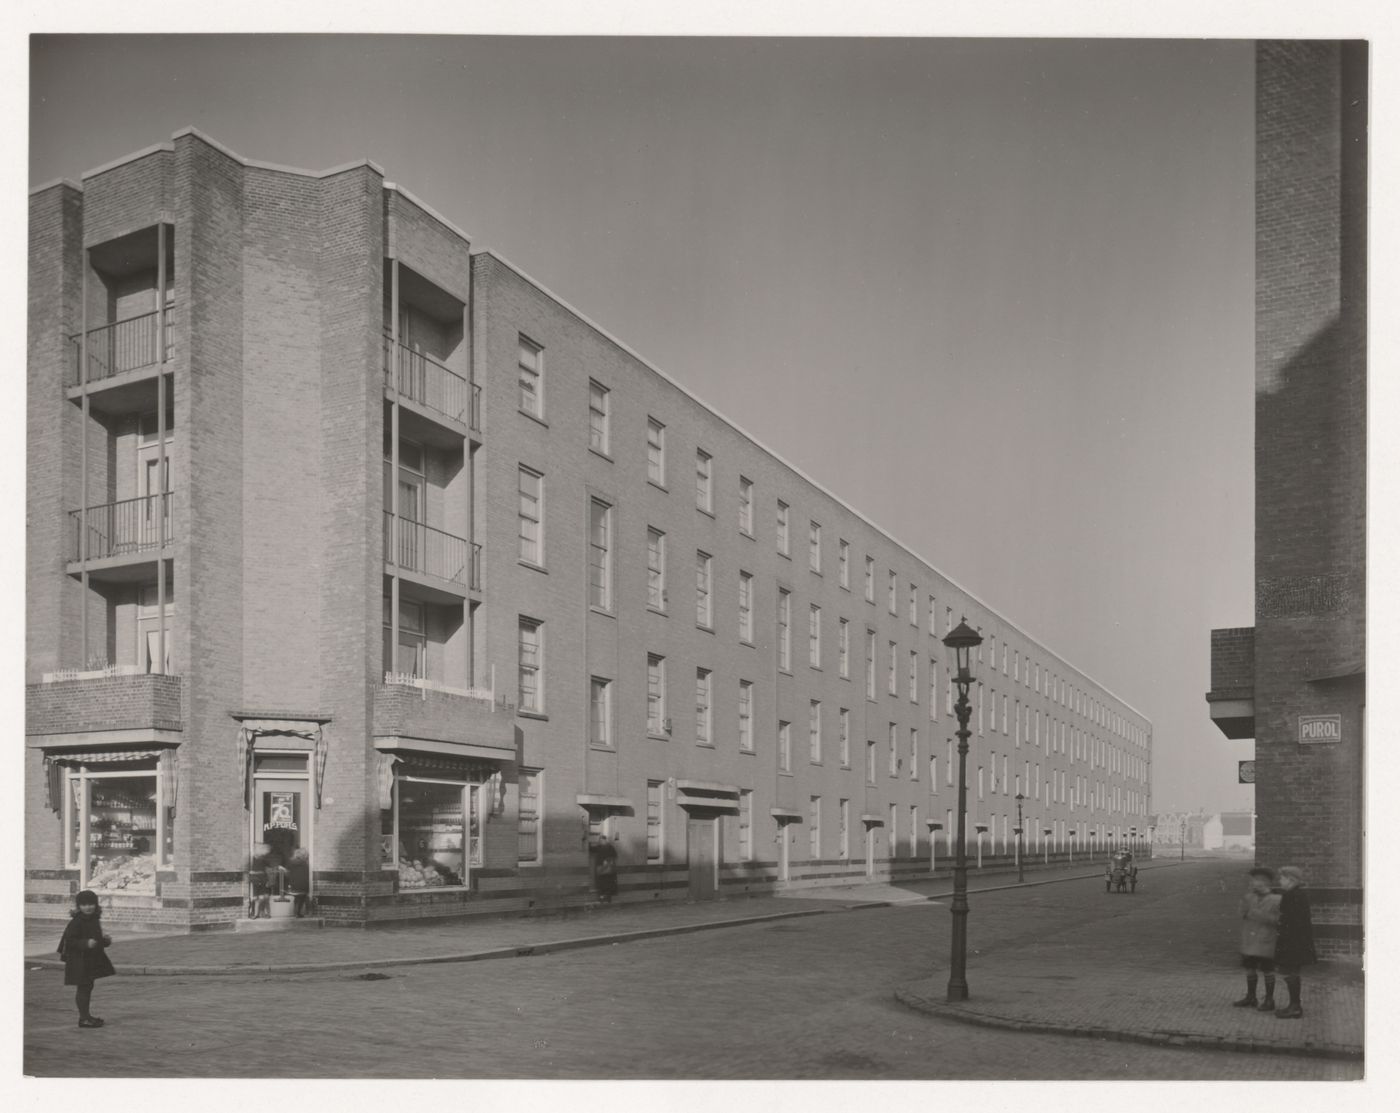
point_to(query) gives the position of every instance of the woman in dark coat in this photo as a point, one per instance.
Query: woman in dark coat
(604, 856)
(1295, 948)
(83, 949)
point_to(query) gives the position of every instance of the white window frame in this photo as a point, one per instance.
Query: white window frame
(656, 830)
(531, 398)
(704, 707)
(746, 607)
(536, 671)
(746, 505)
(784, 630)
(814, 636)
(844, 719)
(522, 774)
(704, 481)
(600, 555)
(745, 819)
(656, 694)
(843, 647)
(600, 712)
(784, 539)
(870, 579)
(599, 425)
(843, 563)
(524, 516)
(656, 569)
(656, 453)
(746, 716)
(814, 731)
(814, 546)
(704, 590)
(84, 775)
(784, 746)
(814, 828)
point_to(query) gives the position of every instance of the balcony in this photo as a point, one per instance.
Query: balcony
(116, 349)
(132, 531)
(112, 699)
(426, 382)
(424, 551)
(1231, 695)
(417, 714)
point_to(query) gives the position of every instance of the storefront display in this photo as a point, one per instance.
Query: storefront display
(122, 835)
(430, 835)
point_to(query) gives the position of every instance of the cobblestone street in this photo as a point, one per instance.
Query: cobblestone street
(805, 998)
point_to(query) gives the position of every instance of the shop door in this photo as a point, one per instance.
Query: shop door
(702, 857)
(279, 817)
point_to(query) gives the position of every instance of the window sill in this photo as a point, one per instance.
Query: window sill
(814, 668)
(606, 747)
(705, 745)
(785, 772)
(707, 629)
(785, 556)
(537, 715)
(599, 452)
(747, 533)
(659, 486)
(708, 513)
(747, 641)
(533, 417)
(604, 611)
(658, 736)
(531, 565)
(814, 571)
(750, 752)
(844, 587)
(785, 672)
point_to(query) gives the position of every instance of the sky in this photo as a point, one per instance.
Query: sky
(995, 294)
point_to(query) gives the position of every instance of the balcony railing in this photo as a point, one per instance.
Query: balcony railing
(123, 528)
(124, 346)
(427, 382)
(421, 548)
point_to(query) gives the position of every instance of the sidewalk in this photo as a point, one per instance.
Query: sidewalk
(1148, 983)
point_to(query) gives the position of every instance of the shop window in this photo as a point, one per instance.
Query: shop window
(118, 816)
(437, 832)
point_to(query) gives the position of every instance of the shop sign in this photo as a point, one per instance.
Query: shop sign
(1319, 728)
(1246, 772)
(281, 811)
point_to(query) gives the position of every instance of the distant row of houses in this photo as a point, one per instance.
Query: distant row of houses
(1203, 831)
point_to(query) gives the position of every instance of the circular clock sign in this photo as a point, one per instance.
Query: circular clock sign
(1246, 772)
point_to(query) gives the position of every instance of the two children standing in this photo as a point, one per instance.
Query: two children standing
(1276, 935)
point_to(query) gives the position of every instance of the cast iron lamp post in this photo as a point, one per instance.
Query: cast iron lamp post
(1020, 826)
(962, 640)
(1132, 840)
(1183, 840)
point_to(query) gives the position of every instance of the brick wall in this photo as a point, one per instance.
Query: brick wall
(1232, 660)
(106, 703)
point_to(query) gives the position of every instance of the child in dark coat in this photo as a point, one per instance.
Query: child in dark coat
(83, 949)
(1258, 936)
(1295, 947)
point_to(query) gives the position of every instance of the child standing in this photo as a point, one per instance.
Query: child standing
(83, 949)
(1295, 948)
(1259, 911)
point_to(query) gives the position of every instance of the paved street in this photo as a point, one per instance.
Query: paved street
(811, 997)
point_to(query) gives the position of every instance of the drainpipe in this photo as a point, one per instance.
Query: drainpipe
(394, 370)
(160, 443)
(83, 511)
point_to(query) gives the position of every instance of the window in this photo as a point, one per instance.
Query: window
(933, 616)
(814, 546)
(656, 452)
(531, 698)
(914, 676)
(894, 592)
(745, 607)
(527, 826)
(843, 647)
(913, 605)
(814, 829)
(599, 554)
(870, 664)
(894, 749)
(894, 831)
(844, 720)
(814, 731)
(784, 746)
(119, 814)
(933, 688)
(746, 715)
(870, 579)
(600, 711)
(656, 569)
(913, 830)
(814, 636)
(843, 563)
(782, 527)
(412, 644)
(933, 773)
(531, 485)
(656, 842)
(784, 630)
(656, 694)
(843, 814)
(746, 505)
(893, 683)
(745, 824)
(531, 362)
(597, 417)
(948, 624)
(870, 765)
(913, 753)
(704, 495)
(704, 613)
(703, 736)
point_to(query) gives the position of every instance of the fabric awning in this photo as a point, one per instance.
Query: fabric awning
(99, 757)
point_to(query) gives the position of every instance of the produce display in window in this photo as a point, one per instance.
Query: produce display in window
(430, 835)
(122, 834)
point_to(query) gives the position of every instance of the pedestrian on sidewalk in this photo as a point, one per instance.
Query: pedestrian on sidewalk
(1258, 936)
(83, 948)
(1295, 948)
(259, 899)
(604, 856)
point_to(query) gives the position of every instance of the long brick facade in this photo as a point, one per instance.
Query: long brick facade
(365, 663)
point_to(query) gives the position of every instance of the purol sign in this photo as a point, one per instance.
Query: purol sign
(1319, 728)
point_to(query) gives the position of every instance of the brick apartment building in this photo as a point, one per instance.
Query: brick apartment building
(1295, 681)
(347, 539)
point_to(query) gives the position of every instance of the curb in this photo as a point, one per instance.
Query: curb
(1160, 1037)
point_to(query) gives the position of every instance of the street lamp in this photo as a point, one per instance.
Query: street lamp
(1020, 871)
(1132, 840)
(1183, 838)
(1047, 831)
(962, 640)
(1151, 840)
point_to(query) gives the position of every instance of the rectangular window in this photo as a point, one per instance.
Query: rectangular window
(894, 592)
(893, 679)
(746, 505)
(814, 636)
(814, 731)
(531, 486)
(913, 605)
(598, 417)
(843, 647)
(845, 723)
(656, 569)
(843, 812)
(531, 696)
(656, 842)
(784, 746)
(914, 676)
(870, 765)
(704, 612)
(814, 829)
(843, 563)
(933, 773)
(600, 711)
(703, 735)
(528, 826)
(412, 645)
(745, 607)
(894, 831)
(870, 579)
(783, 540)
(933, 616)
(894, 749)
(913, 830)
(784, 630)
(870, 664)
(814, 546)
(656, 694)
(745, 824)
(746, 715)
(933, 688)
(913, 753)
(656, 452)
(531, 363)
(599, 554)
(704, 495)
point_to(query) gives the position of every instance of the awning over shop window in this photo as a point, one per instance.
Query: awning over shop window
(55, 760)
(249, 730)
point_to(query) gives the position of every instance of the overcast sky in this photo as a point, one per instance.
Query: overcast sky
(997, 295)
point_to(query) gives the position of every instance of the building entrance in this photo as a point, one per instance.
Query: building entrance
(280, 836)
(702, 856)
